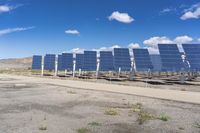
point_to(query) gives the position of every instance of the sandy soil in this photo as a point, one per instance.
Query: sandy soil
(46, 108)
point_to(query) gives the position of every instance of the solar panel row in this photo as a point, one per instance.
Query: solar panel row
(169, 59)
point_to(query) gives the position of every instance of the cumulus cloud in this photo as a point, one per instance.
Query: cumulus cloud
(5, 8)
(12, 30)
(121, 17)
(192, 13)
(77, 50)
(133, 45)
(72, 32)
(183, 39)
(153, 41)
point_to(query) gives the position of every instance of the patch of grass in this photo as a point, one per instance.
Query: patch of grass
(71, 92)
(197, 125)
(82, 130)
(111, 112)
(43, 128)
(144, 116)
(94, 124)
(136, 107)
(164, 117)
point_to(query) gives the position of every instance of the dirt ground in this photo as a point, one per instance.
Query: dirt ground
(46, 108)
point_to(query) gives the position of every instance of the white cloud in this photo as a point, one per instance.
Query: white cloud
(153, 50)
(198, 40)
(77, 50)
(168, 10)
(121, 17)
(191, 13)
(183, 39)
(72, 32)
(12, 30)
(133, 45)
(153, 41)
(5, 8)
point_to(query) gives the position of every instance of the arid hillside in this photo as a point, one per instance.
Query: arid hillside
(16, 62)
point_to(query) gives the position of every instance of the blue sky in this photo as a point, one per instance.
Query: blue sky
(30, 27)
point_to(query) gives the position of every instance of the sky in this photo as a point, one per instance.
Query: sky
(29, 27)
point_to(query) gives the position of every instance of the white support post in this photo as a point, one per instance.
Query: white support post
(56, 67)
(119, 72)
(74, 69)
(42, 66)
(97, 70)
(79, 72)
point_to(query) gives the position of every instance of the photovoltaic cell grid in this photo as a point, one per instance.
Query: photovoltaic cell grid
(60, 67)
(142, 60)
(156, 62)
(79, 61)
(122, 59)
(37, 62)
(192, 52)
(49, 61)
(90, 60)
(170, 57)
(106, 61)
(67, 61)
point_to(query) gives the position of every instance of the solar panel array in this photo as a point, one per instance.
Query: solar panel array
(49, 61)
(106, 61)
(170, 57)
(122, 59)
(79, 61)
(90, 61)
(192, 52)
(37, 62)
(156, 62)
(67, 61)
(142, 60)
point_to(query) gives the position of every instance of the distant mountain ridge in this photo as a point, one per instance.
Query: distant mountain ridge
(16, 62)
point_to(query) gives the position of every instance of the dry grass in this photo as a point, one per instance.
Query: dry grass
(111, 111)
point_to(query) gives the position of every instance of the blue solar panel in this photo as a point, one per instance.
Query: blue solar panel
(106, 61)
(49, 61)
(122, 59)
(60, 65)
(90, 60)
(79, 61)
(192, 52)
(37, 62)
(67, 61)
(142, 60)
(156, 62)
(170, 57)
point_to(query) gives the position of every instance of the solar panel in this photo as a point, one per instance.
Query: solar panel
(37, 62)
(90, 60)
(67, 61)
(122, 59)
(142, 60)
(156, 62)
(79, 61)
(60, 65)
(106, 61)
(192, 52)
(49, 61)
(170, 57)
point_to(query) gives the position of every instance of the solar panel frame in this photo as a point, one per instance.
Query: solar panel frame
(192, 52)
(36, 62)
(67, 61)
(106, 61)
(142, 59)
(170, 57)
(49, 61)
(90, 61)
(79, 61)
(122, 59)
